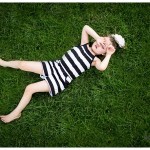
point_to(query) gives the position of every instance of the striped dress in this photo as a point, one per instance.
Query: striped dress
(60, 73)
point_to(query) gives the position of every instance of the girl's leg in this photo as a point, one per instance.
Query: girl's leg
(41, 86)
(30, 66)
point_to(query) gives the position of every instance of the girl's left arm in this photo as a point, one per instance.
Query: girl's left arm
(102, 65)
(86, 31)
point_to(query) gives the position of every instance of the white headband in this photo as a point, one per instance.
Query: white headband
(119, 39)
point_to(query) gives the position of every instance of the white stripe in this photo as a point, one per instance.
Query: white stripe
(86, 53)
(82, 57)
(68, 79)
(60, 72)
(74, 1)
(70, 66)
(51, 78)
(57, 77)
(48, 68)
(54, 84)
(76, 61)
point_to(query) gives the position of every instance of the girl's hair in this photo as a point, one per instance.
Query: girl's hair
(90, 44)
(115, 45)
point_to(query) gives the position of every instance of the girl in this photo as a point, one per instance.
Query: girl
(58, 74)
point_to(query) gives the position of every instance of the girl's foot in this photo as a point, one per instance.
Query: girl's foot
(2, 63)
(10, 117)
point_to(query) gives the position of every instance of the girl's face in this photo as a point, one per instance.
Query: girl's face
(101, 48)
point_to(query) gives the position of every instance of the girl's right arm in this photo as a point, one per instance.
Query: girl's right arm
(86, 31)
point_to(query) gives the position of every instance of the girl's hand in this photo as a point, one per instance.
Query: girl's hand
(110, 50)
(99, 41)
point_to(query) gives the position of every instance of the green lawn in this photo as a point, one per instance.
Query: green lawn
(98, 109)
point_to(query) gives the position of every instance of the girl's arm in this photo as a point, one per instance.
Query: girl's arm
(102, 65)
(86, 31)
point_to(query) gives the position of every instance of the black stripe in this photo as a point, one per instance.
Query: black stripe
(84, 54)
(63, 71)
(87, 50)
(59, 74)
(45, 69)
(73, 64)
(59, 89)
(68, 70)
(51, 85)
(79, 59)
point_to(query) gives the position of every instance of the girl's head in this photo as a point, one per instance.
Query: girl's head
(111, 42)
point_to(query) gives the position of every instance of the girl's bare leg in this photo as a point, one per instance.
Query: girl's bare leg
(30, 66)
(41, 86)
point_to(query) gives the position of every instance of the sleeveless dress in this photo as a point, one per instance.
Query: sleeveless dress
(60, 73)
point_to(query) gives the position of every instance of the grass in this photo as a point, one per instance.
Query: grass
(99, 109)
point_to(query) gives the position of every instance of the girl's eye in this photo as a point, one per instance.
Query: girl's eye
(104, 44)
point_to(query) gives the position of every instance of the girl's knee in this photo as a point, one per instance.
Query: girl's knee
(41, 86)
(30, 89)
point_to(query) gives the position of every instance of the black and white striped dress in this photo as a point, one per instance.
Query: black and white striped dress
(60, 73)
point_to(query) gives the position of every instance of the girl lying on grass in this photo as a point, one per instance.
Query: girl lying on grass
(58, 74)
